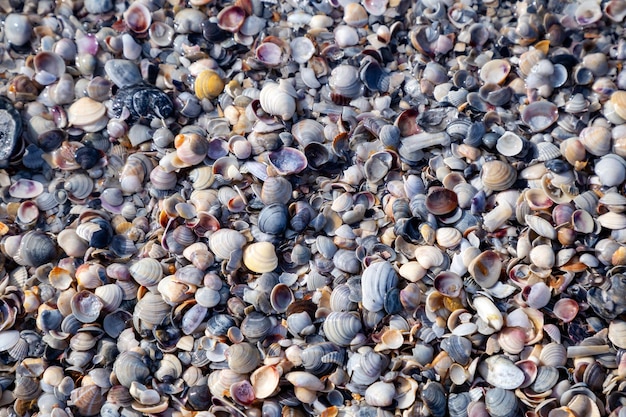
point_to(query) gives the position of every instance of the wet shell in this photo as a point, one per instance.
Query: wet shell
(208, 84)
(260, 257)
(497, 175)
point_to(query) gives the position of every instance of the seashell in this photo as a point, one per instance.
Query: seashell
(380, 394)
(542, 256)
(497, 175)
(191, 149)
(161, 34)
(231, 18)
(79, 186)
(23, 189)
(122, 73)
(375, 7)
(147, 272)
(281, 298)
(495, 71)
(269, 54)
(486, 269)
(539, 115)
(488, 312)
(87, 114)
(260, 257)
(376, 282)
(49, 67)
(433, 395)
(243, 357)
(18, 29)
(276, 190)
(501, 402)
(617, 333)
(346, 36)
(459, 348)
(287, 161)
(547, 377)
(264, 380)
(355, 15)
(279, 99)
(138, 17)
(341, 327)
(208, 84)
(501, 372)
(301, 379)
(541, 226)
(611, 170)
(86, 306)
(161, 179)
(596, 139)
(553, 355)
(129, 367)
(612, 220)
(441, 201)
(255, 326)
(345, 84)
(226, 241)
(587, 13)
(34, 248)
(27, 213)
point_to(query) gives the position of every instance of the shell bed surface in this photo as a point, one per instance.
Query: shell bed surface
(313, 208)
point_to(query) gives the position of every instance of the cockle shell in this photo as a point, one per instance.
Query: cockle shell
(226, 241)
(260, 257)
(341, 327)
(498, 175)
(87, 114)
(376, 282)
(208, 84)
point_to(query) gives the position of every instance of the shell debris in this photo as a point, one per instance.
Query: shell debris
(344, 208)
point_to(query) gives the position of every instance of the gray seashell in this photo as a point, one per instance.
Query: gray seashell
(501, 403)
(276, 190)
(340, 299)
(17, 29)
(79, 186)
(226, 241)
(459, 348)
(547, 377)
(99, 6)
(129, 367)
(347, 261)
(340, 328)
(501, 372)
(434, 396)
(365, 367)
(458, 403)
(315, 358)
(297, 323)
(256, 326)
(35, 249)
(122, 73)
(376, 282)
(219, 324)
(243, 357)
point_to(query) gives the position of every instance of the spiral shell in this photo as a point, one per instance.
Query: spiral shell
(279, 99)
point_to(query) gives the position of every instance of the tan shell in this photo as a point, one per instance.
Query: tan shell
(618, 99)
(486, 269)
(495, 71)
(260, 257)
(85, 113)
(497, 175)
(265, 380)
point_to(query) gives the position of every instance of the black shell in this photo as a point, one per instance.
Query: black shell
(87, 157)
(10, 130)
(143, 101)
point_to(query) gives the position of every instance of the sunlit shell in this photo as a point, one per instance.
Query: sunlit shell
(226, 241)
(208, 84)
(495, 71)
(596, 139)
(498, 175)
(279, 99)
(147, 272)
(260, 257)
(486, 269)
(264, 380)
(539, 115)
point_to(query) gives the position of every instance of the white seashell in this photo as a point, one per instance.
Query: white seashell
(501, 372)
(612, 220)
(611, 170)
(377, 280)
(495, 218)
(429, 256)
(380, 394)
(279, 99)
(488, 312)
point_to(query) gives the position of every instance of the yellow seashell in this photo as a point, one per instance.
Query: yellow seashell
(260, 257)
(208, 85)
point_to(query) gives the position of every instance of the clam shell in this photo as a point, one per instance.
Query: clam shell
(224, 242)
(340, 328)
(497, 175)
(243, 357)
(278, 99)
(260, 257)
(376, 282)
(501, 372)
(208, 84)
(486, 269)
(539, 115)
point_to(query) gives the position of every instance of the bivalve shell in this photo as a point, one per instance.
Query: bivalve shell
(260, 257)
(498, 175)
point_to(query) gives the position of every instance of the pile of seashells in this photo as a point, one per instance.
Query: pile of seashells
(292, 208)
